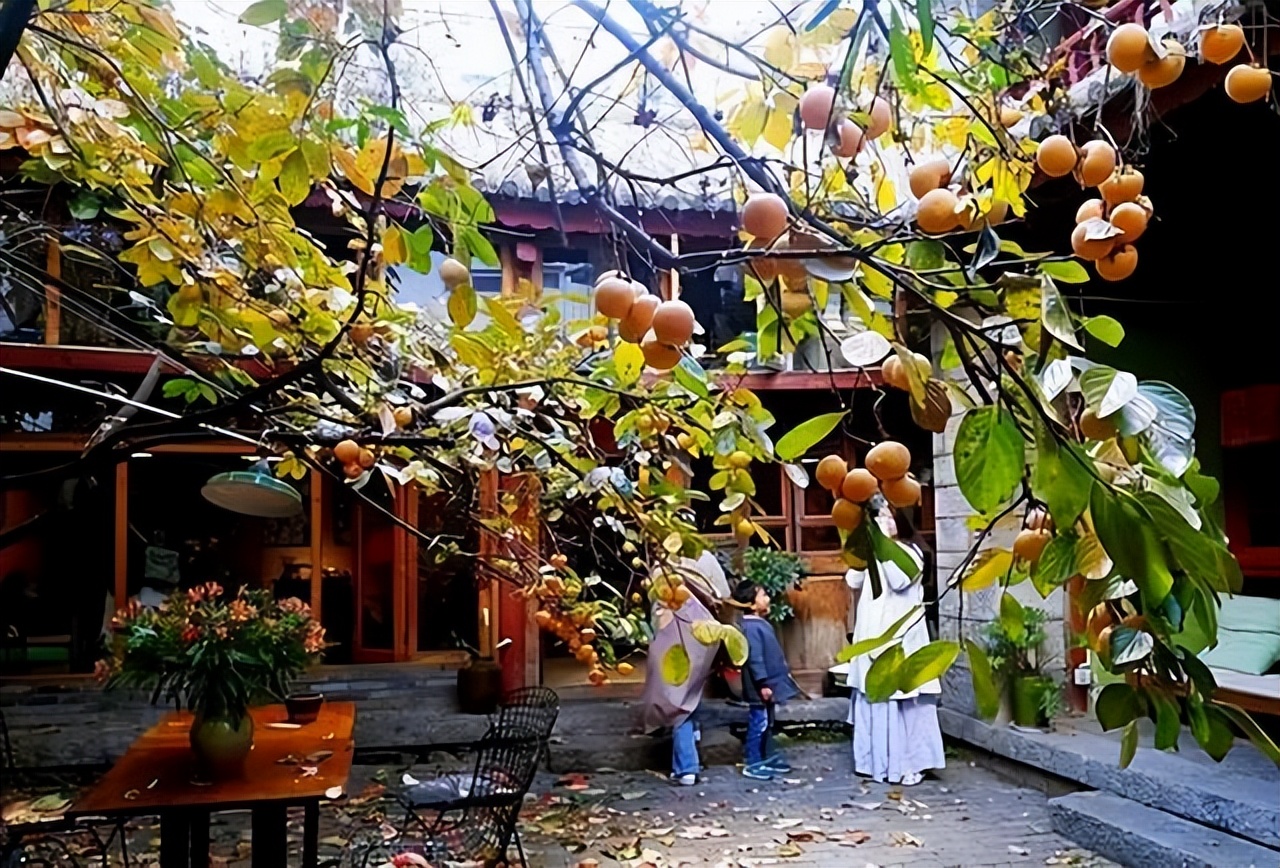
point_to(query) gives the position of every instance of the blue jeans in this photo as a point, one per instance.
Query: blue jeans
(684, 749)
(759, 725)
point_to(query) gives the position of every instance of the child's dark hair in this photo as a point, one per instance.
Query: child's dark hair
(744, 596)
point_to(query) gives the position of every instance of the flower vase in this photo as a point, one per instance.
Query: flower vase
(221, 745)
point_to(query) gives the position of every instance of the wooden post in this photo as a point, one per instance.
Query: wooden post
(488, 595)
(399, 580)
(316, 488)
(122, 535)
(674, 285)
(413, 500)
(53, 296)
(521, 660)
(510, 271)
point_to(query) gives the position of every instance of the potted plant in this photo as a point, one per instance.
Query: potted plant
(215, 656)
(1013, 646)
(777, 572)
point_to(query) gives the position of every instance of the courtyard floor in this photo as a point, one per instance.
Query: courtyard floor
(819, 815)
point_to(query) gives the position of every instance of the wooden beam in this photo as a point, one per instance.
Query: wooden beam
(316, 488)
(487, 608)
(76, 443)
(673, 288)
(106, 360)
(122, 535)
(53, 296)
(510, 270)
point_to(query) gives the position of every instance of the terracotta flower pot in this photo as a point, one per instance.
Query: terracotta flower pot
(221, 746)
(479, 686)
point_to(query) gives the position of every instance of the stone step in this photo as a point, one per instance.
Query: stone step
(1238, 795)
(1134, 834)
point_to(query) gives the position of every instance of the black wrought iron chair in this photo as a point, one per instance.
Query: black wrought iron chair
(472, 815)
(533, 708)
(37, 844)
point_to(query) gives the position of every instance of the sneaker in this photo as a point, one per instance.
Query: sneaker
(778, 763)
(910, 779)
(683, 780)
(759, 772)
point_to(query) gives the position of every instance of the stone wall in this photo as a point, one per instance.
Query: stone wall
(961, 615)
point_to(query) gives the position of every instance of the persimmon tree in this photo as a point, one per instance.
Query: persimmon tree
(877, 152)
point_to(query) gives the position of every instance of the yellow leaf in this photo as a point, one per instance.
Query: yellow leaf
(462, 305)
(780, 47)
(747, 122)
(628, 362)
(351, 169)
(990, 565)
(953, 131)
(886, 195)
(808, 70)
(675, 665)
(778, 127)
(394, 249)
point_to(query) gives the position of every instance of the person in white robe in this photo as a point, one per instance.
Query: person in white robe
(894, 741)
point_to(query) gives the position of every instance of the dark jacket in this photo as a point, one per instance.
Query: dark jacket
(766, 664)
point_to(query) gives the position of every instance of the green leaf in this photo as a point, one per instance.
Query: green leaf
(1167, 719)
(479, 246)
(1056, 315)
(1195, 552)
(1011, 618)
(1129, 536)
(989, 457)
(882, 677)
(927, 663)
(924, 17)
(84, 205)
(1250, 728)
(1104, 328)
(1066, 270)
(1116, 706)
(926, 255)
(984, 686)
(857, 649)
(462, 305)
(1057, 563)
(419, 242)
(177, 387)
(1210, 728)
(800, 439)
(295, 178)
(900, 52)
(675, 666)
(691, 376)
(1128, 743)
(264, 12)
(628, 363)
(889, 550)
(271, 145)
(1060, 477)
(1106, 390)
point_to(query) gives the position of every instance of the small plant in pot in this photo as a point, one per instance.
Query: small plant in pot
(1014, 643)
(777, 572)
(215, 656)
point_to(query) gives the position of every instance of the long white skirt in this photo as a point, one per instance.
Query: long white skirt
(895, 738)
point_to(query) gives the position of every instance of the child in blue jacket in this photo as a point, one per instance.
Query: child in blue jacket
(766, 681)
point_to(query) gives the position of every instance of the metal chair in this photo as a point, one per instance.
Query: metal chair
(26, 844)
(472, 815)
(533, 708)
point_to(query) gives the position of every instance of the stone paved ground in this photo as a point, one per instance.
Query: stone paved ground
(817, 816)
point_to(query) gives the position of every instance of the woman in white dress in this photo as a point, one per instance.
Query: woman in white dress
(894, 741)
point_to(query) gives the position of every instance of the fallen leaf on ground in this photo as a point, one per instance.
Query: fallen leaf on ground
(906, 839)
(787, 824)
(1019, 851)
(853, 839)
(695, 833)
(790, 851)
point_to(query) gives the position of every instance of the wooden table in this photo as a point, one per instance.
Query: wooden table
(156, 774)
